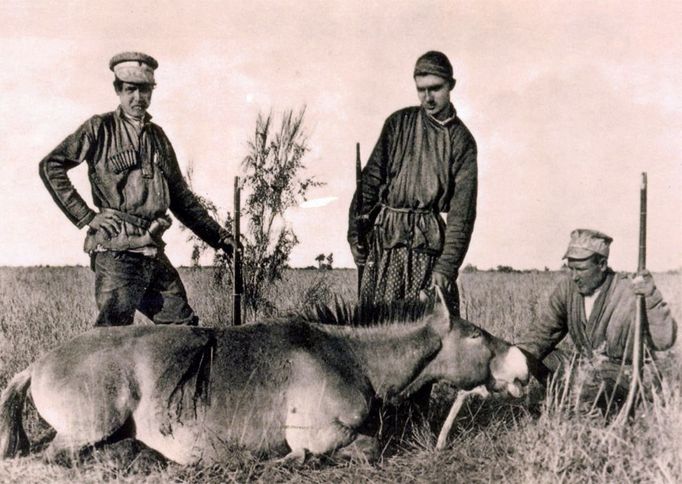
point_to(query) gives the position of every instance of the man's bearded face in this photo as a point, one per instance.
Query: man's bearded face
(434, 94)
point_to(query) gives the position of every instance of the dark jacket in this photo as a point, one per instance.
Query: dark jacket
(131, 171)
(418, 169)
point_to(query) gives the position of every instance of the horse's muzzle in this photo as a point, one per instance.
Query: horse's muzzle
(509, 372)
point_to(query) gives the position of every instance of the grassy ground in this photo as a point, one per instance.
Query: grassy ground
(494, 440)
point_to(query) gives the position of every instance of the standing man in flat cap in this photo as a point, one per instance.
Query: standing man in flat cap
(424, 164)
(135, 181)
(597, 308)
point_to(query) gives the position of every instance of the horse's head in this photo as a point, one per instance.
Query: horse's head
(470, 356)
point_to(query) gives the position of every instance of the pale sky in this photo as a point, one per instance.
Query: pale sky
(568, 102)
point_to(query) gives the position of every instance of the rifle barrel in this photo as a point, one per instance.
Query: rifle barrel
(358, 180)
(358, 204)
(641, 265)
(237, 286)
(640, 327)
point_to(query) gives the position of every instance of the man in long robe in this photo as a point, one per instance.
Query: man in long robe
(423, 164)
(596, 307)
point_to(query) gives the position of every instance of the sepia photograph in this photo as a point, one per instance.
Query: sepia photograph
(323, 241)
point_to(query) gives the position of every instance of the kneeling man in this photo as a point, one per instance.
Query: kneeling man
(597, 308)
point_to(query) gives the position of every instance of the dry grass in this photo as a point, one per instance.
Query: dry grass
(495, 440)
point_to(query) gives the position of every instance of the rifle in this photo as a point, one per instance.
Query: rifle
(237, 282)
(640, 328)
(358, 208)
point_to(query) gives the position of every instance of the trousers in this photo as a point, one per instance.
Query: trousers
(128, 281)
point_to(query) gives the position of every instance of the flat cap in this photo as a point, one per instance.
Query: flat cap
(436, 63)
(134, 67)
(586, 242)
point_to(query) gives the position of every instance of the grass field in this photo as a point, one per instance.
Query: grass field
(492, 441)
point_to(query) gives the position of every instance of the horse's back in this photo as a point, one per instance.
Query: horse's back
(94, 353)
(267, 354)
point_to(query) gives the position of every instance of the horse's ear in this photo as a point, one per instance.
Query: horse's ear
(441, 309)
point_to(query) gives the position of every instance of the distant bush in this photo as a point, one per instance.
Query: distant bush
(325, 262)
(508, 269)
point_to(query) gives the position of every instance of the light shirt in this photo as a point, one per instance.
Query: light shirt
(138, 124)
(589, 302)
(452, 114)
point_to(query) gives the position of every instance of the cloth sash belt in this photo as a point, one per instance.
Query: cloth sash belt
(416, 228)
(137, 233)
(140, 222)
(422, 211)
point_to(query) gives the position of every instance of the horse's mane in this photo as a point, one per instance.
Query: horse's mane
(345, 313)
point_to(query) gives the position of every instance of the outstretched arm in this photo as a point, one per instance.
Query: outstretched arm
(189, 210)
(544, 334)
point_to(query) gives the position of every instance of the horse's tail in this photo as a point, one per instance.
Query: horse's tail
(13, 439)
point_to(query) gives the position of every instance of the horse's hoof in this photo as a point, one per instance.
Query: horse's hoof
(294, 458)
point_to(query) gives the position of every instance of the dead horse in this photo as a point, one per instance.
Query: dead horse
(189, 393)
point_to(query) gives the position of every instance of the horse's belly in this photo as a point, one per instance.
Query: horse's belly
(205, 436)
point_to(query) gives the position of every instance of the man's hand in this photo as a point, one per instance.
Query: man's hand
(107, 222)
(442, 281)
(227, 245)
(359, 252)
(643, 283)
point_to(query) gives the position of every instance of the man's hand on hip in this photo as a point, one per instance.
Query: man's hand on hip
(108, 222)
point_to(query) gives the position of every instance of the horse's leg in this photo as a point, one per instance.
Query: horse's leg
(129, 455)
(321, 420)
(62, 450)
(76, 444)
(315, 439)
(363, 447)
(84, 408)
